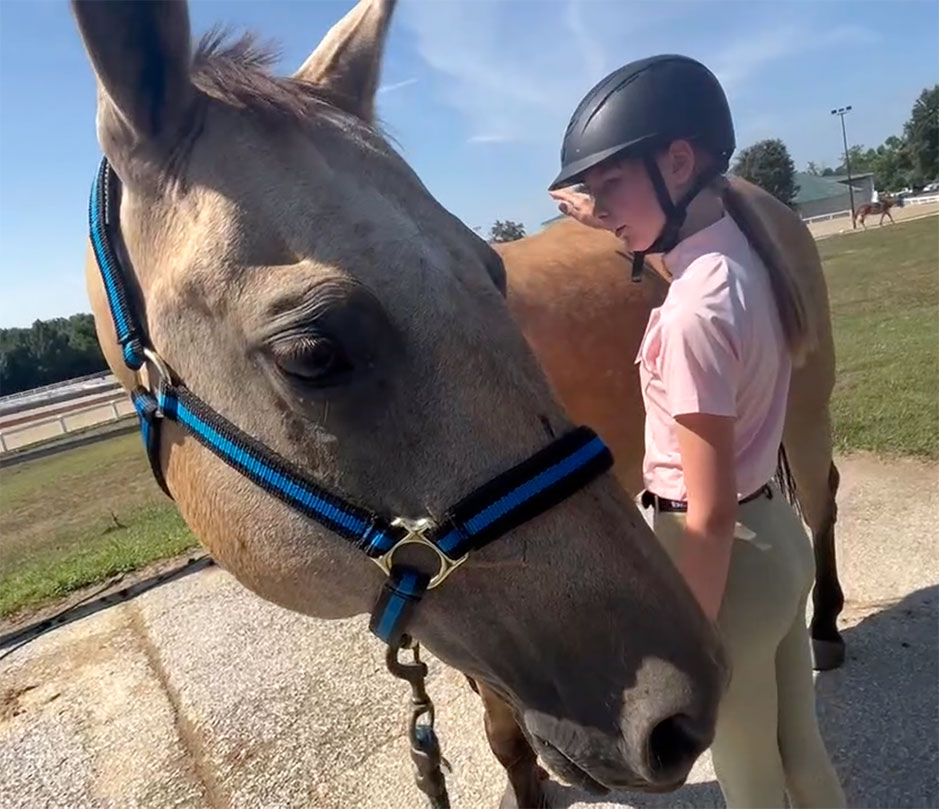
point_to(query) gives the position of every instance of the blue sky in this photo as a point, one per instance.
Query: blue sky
(476, 93)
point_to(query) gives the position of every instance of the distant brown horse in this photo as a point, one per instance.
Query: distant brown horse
(882, 207)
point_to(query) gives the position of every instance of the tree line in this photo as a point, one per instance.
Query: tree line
(49, 351)
(907, 160)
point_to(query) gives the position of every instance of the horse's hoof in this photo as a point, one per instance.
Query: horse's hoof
(827, 654)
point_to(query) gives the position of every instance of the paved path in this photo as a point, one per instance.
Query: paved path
(198, 694)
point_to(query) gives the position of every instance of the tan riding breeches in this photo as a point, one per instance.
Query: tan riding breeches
(767, 742)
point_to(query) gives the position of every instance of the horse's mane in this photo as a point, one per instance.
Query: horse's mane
(237, 72)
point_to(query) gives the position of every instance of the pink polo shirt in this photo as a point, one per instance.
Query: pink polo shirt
(716, 346)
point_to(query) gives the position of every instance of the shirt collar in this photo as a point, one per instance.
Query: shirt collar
(678, 259)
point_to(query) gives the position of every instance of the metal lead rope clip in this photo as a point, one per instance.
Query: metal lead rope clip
(425, 748)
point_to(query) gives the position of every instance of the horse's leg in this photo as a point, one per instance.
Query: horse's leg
(511, 748)
(809, 451)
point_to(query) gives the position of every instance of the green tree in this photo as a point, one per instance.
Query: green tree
(49, 351)
(768, 165)
(921, 134)
(507, 231)
(861, 161)
(17, 365)
(891, 164)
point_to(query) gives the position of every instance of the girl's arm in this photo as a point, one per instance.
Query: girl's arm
(706, 444)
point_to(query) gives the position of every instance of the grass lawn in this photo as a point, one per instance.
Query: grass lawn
(82, 515)
(884, 291)
(79, 517)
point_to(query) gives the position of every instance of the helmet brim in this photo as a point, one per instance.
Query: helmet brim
(573, 173)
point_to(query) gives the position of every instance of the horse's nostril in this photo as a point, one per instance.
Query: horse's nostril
(674, 744)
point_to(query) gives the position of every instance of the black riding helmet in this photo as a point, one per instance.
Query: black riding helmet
(640, 108)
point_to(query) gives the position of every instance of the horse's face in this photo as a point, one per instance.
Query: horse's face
(298, 277)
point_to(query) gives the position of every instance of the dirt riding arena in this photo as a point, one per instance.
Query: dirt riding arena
(833, 227)
(198, 694)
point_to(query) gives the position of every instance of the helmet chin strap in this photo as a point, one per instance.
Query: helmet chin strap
(675, 212)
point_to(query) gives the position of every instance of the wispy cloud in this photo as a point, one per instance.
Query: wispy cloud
(740, 62)
(390, 88)
(488, 138)
(516, 76)
(850, 34)
(507, 85)
(591, 51)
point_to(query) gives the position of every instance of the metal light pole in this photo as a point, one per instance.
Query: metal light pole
(842, 111)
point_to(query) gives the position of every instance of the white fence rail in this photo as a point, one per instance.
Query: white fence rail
(27, 394)
(825, 217)
(41, 429)
(925, 200)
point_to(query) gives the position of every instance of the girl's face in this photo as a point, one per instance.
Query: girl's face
(624, 197)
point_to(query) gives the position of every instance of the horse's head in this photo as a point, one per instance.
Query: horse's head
(296, 275)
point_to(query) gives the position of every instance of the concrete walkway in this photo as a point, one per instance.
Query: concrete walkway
(198, 694)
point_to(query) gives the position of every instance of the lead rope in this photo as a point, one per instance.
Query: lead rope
(425, 748)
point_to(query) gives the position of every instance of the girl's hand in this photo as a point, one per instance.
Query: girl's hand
(577, 205)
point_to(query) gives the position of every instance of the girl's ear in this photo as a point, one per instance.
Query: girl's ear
(680, 162)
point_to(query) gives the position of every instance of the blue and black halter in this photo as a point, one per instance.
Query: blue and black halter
(519, 494)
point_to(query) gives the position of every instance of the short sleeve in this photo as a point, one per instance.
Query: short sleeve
(699, 362)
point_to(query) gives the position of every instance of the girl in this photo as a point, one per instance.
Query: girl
(650, 144)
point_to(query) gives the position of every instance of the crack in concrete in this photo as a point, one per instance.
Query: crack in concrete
(189, 736)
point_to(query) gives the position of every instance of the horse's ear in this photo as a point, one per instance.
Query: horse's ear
(140, 52)
(347, 62)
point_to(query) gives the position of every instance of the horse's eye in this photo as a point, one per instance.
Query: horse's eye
(312, 360)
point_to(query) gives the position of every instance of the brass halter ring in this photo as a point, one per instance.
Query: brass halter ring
(415, 536)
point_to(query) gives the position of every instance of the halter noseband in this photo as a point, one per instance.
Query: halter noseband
(514, 497)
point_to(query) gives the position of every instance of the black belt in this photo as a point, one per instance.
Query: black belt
(663, 504)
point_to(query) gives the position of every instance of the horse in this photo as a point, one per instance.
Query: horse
(882, 206)
(324, 360)
(570, 291)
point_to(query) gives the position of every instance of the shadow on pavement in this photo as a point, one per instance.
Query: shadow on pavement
(879, 712)
(879, 716)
